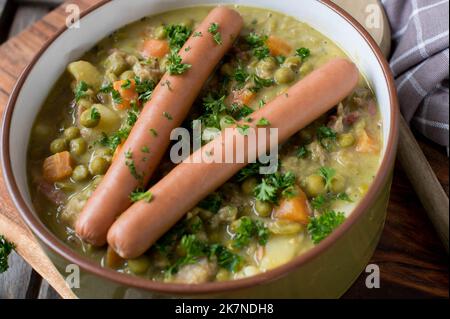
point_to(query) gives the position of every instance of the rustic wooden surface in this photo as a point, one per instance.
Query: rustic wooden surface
(412, 261)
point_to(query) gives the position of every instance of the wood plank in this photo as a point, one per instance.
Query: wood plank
(7, 8)
(47, 291)
(14, 283)
(25, 16)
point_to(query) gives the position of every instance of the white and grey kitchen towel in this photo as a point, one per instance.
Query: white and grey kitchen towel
(420, 62)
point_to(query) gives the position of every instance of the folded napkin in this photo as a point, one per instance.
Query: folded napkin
(420, 62)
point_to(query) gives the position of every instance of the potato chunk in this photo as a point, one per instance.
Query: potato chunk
(85, 71)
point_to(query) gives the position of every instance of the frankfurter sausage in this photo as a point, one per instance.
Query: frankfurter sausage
(168, 107)
(143, 223)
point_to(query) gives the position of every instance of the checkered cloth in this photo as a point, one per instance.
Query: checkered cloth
(420, 63)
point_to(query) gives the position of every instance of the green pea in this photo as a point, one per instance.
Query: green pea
(226, 121)
(59, 145)
(116, 63)
(84, 103)
(80, 173)
(284, 75)
(338, 184)
(293, 63)
(346, 140)
(315, 185)
(78, 146)
(71, 133)
(249, 185)
(139, 265)
(127, 75)
(223, 275)
(98, 166)
(87, 120)
(266, 67)
(264, 209)
(284, 227)
(160, 33)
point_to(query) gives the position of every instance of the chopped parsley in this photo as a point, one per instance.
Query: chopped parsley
(153, 132)
(303, 53)
(280, 59)
(275, 185)
(95, 114)
(243, 112)
(328, 174)
(177, 35)
(139, 195)
(225, 258)
(243, 129)
(250, 170)
(145, 149)
(175, 65)
(144, 88)
(197, 34)
(168, 116)
(258, 44)
(259, 83)
(322, 202)
(132, 166)
(321, 226)
(263, 122)
(214, 30)
(81, 90)
(211, 203)
(107, 88)
(126, 84)
(117, 98)
(240, 75)
(303, 152)
(325, 136)
(6, 248)
(247, 229)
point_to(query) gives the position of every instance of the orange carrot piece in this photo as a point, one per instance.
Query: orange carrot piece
(127, 94)
(243, 97)
(366, 144)
(295, 209)
(278, 46)
(57, 167)
(155, 48)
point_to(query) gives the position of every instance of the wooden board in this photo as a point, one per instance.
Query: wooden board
(411, 259)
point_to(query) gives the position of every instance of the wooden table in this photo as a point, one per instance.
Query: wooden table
(412, 260)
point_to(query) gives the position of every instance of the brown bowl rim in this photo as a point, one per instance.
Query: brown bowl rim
(61, 249)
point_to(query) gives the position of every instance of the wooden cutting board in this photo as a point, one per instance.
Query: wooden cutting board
(18, 52)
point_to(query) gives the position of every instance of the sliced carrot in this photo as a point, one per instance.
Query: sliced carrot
(57, 167)
(295, 209)
(243, 97)
(128, 94)
(278, 46)
(155, 48)
(366, 144)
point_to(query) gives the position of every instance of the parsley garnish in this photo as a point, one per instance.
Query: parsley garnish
(132, 166)
(303, 53)
(197, 34)
(95, 114)
(107, 88)
(6, 248)
(211, 203)
(117, 98)
(139, 195)
(243, 129)
(325, 135)
(145, 149)
(259, 83)
(153, 131)
(328, 174)
(275, 185)
(168, 116)
(263, 122)
(126, 84)
(258, 44)
(322, 202)
(144, 88)
(303, 152)
(320, 227)
(214, 30)
(81, 90)
(177, 35)
(225, 258)
(248, 229)
(175, 65)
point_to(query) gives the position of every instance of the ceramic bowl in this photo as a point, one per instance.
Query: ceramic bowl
(326, 271)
